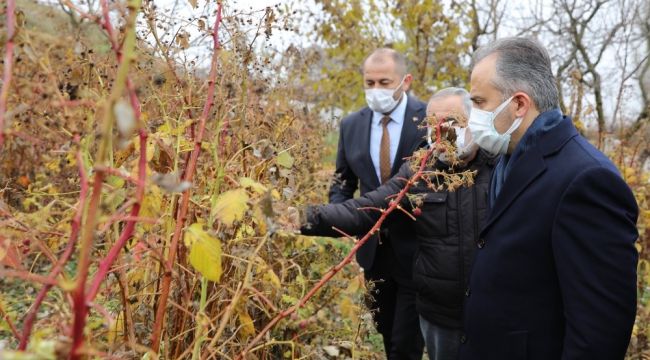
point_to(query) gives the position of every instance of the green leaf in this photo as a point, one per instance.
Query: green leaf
(230, 206)
(285, 159)
(205, 252)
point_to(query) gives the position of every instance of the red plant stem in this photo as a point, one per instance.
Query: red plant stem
(80, 305)
(107, 262)
(26, 275)
(189, 173)
(78, 296)
(394, 204)
(8, 64)
(28, 322)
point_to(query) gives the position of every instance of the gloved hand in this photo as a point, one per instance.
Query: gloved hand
(290, 220)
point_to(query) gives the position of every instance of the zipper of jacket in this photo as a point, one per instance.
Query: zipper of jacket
(475, 213)
(461, 264)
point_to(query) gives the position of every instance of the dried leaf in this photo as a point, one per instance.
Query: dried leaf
(170, 182)
(183, 40)
(124, 118)
(9, 255)
(271, 277)
(247, 325)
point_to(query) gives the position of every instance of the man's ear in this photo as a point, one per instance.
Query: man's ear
(408, 79)
(523, 103)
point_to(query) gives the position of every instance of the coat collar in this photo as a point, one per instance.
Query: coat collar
(366, 124)
(530, 166)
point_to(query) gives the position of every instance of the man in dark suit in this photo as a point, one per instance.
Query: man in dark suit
(555, 272)
(372, 145)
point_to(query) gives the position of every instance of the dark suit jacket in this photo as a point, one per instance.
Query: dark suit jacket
(555, 273)
(354, 167)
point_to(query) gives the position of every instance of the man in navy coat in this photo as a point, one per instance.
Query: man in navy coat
(555, 273)
(369, 153)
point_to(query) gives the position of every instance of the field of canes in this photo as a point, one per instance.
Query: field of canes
(140, 194)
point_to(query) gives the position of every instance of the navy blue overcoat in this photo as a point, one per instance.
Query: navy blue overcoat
(555, 273)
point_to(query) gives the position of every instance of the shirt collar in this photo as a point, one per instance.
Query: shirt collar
(396, 115)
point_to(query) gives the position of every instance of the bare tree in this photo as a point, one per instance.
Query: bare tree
(643, 25)
(485, 18)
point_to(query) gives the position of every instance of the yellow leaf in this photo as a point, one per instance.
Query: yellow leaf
(348, 308)
(259, 219)
(152, 206)
(230, 206)
(247, 326)
(205, 252)
(247, 182)
(285, 159)
(353, 286)
(115, 329)
(270, 277)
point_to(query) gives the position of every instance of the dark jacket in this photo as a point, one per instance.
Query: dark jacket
(446, 233)
(354, 169)
(555, 273)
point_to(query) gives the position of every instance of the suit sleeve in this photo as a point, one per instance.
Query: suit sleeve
(345, 181)
(347, 216)
(596, 260)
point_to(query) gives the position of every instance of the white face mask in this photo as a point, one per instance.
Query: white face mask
(382, 100)
(481, 124)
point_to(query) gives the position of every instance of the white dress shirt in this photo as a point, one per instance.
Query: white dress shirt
(394, 130)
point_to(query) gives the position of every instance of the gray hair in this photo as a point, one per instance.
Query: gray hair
(383, 53)
(455, 91)
(522, 64)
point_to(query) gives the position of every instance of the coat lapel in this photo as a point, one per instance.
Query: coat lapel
(366, 123)
(527, 169)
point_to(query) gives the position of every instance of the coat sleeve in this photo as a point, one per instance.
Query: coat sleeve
(345, 181)
(346, 216)
(596, 260)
